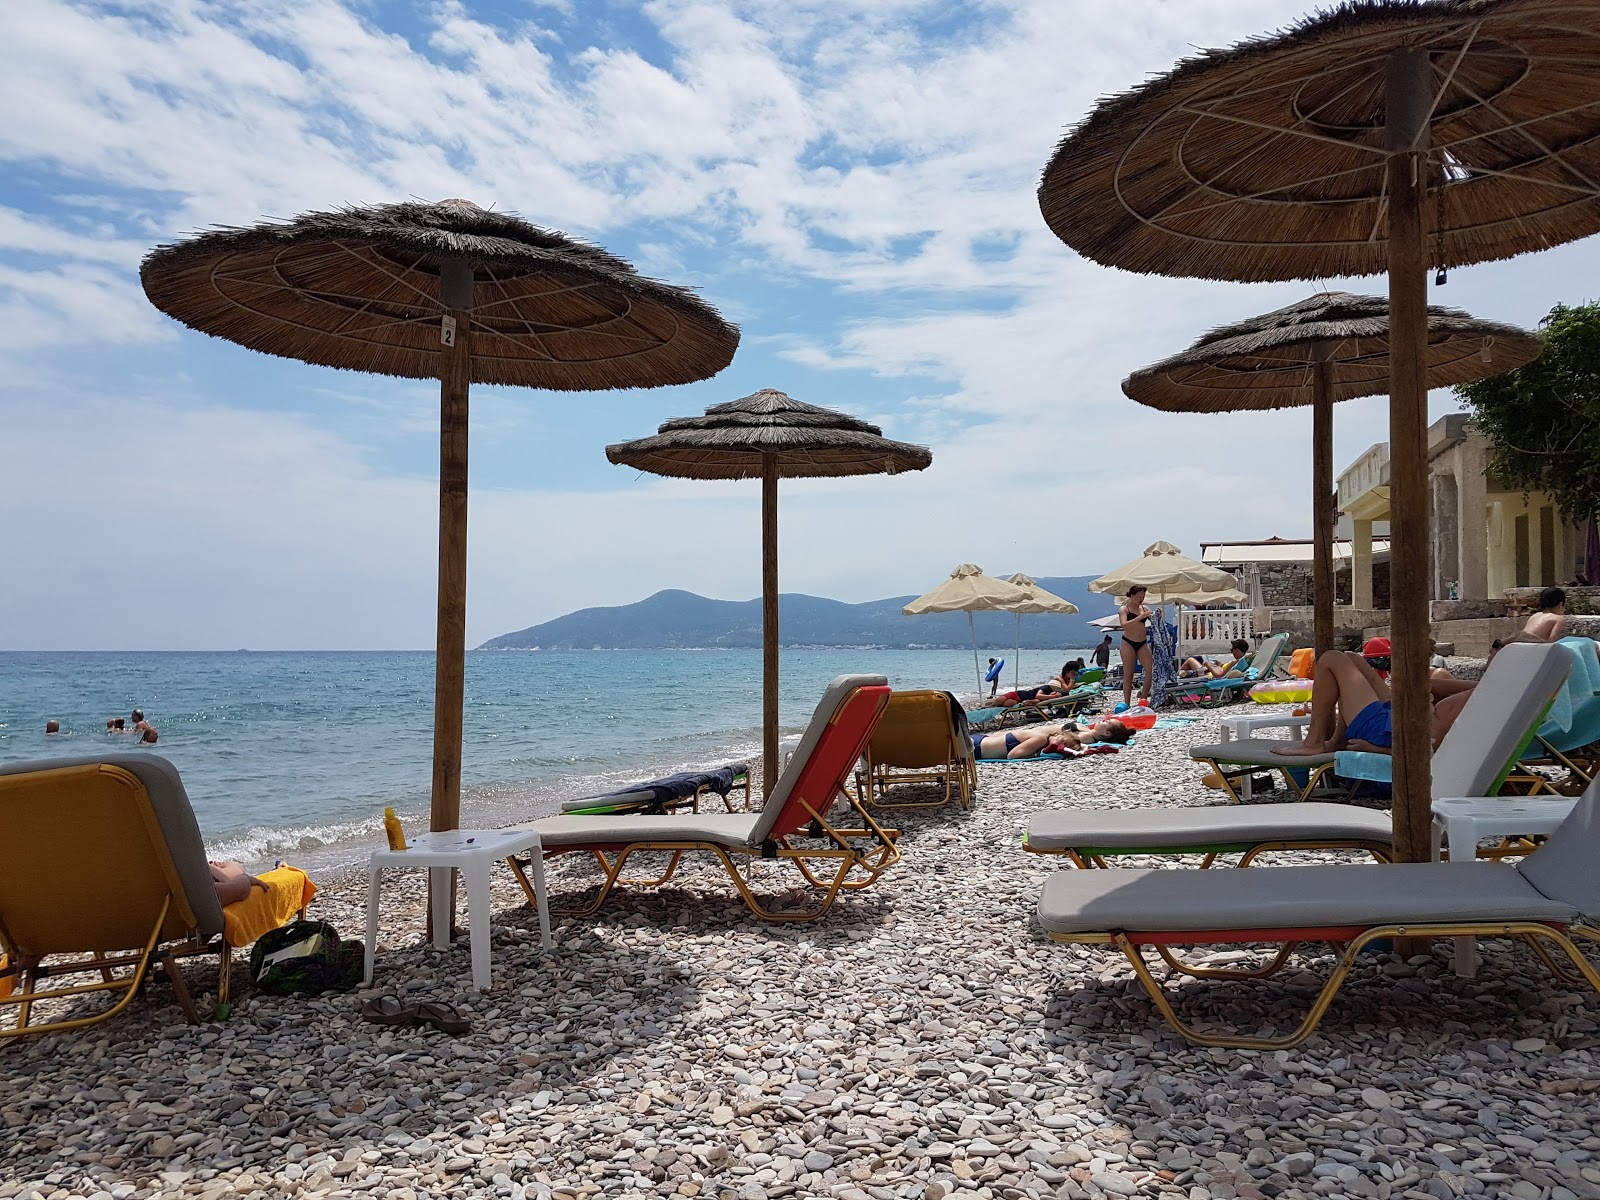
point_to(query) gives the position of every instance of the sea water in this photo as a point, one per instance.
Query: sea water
(295, 755)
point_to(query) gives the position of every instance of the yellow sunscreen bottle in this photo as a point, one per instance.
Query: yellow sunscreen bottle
(395, 831)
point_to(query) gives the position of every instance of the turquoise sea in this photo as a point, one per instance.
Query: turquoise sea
(295, 755)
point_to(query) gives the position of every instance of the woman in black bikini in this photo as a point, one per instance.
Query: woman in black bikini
(1135, 646)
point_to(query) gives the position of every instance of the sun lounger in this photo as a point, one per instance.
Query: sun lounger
(794, 819)
(1208, 692)
(671, 793)
(1541, 671)
(1480, 749)
(1543, 900)
(1049, 709)
(1570, 735)
(921, 739)
(103, 872)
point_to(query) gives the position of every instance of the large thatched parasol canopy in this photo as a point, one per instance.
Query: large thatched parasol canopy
(769, 436)
(1373, 137)
(362, 289)
(1271, 361)
(1330, 346)
(452, 291)
(1267, 160)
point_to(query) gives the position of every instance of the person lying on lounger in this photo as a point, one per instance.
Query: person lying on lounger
(1067, 679)
(1048, 739)
(1027, 695)
(1222, 668)
(232, 881)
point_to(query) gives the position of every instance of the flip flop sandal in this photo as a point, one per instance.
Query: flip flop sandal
(387, 1010)
(443, 1018)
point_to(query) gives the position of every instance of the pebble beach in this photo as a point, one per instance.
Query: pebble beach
(923, 1040)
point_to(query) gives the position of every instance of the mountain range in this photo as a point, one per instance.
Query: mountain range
(675, 619)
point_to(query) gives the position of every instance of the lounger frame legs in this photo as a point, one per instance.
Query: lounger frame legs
(837, 868)
(958, 774)
(1089, 857)
(1230, 778)
(1543, 938)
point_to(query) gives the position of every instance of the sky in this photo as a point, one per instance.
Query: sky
(851, 181)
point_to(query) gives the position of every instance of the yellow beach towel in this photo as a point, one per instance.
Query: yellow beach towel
(289, 889)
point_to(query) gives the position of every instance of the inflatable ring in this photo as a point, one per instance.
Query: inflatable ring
(993, 672)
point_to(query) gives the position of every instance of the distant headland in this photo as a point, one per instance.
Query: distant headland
(679, 620)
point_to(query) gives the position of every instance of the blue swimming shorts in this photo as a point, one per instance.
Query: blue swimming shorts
(1374, 724)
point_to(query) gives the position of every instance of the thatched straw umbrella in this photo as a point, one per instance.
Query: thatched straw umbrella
(769, 436)
(1039, 600)
(1374, 137)
(1331, 346)
(452, 292)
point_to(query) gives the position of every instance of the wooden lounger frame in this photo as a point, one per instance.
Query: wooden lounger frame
(1538, 934)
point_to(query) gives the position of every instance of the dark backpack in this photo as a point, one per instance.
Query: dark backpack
(306, 958)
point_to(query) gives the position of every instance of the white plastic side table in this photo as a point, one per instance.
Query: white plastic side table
(472, 852)
(1464, 821)
(1234, 728)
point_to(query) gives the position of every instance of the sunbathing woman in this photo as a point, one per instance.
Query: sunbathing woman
(1068, 678)
(1135, 646)
(1047, 739)
(1027, 695)
(1218, 670)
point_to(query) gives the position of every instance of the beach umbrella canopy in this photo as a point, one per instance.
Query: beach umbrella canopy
(1171, 576)
(1330, 346)
(969, 590)
(1380, 137)
(1039, 600)
(769, 436)
(447, 291)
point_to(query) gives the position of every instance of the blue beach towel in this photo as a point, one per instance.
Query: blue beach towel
(661, 791)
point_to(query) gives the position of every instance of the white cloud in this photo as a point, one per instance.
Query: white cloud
(857, 190)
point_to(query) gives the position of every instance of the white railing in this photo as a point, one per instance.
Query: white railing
(1213, 630)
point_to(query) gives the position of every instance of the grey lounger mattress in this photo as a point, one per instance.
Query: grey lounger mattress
(1257, 752)
(1144, 899)
(1159, 828)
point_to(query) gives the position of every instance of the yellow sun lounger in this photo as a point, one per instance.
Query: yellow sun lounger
(103, 872)
(921, 738)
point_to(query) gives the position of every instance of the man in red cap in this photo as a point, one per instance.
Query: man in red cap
(1377, 652)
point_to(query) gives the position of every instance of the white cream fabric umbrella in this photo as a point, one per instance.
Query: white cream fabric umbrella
(1172, 577)
(969, 590)
(1039, 601)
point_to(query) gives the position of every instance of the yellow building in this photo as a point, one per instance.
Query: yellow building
(1486, 537)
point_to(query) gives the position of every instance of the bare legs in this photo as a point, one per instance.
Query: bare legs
(1345, 684)
(1147, 657)
(1129, 656)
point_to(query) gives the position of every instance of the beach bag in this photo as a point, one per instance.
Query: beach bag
(306, 958)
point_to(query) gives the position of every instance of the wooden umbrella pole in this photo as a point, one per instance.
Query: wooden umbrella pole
(769, 622)
(449, 669)
(1408, 86)
(1322, 500)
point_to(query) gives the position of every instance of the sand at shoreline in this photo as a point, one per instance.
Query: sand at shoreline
(922, 1040)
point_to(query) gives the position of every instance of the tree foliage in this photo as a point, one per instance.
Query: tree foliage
(1542, 420)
